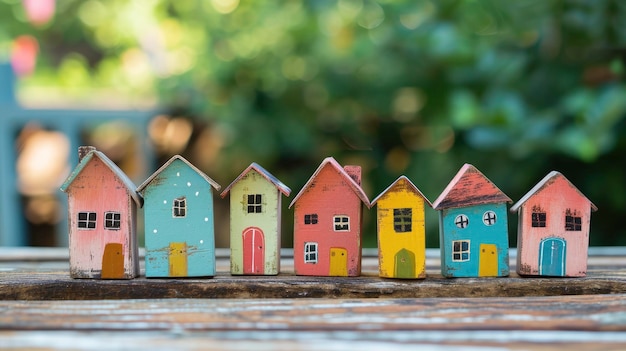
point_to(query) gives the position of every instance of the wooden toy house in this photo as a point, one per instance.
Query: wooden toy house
(553, 229)
(102, 208)
(255, 221)
(473, 230)
(178, 221)
(327, 221)
(401, 230)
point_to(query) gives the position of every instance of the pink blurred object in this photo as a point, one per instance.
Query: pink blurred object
(39, 12)
(24, 55)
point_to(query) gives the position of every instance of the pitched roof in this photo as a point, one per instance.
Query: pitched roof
(410, 185)
(331, 162)
(544, 183)
(130, 186)
(168, 163)
(265, 174)
(468, 188)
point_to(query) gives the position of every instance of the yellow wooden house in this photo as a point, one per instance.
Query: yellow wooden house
(401, 230)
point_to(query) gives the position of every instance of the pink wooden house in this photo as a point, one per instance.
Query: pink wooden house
(327, 221)
(102, 206)
(553, 229)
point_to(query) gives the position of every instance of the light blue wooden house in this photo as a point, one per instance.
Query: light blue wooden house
(473, 229)
(179, 222)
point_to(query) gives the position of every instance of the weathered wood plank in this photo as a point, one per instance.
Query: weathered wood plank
(49, 280)
(538, 323)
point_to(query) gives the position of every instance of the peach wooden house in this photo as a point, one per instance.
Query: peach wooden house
(553, 229)
(327, 221)
(102, 207)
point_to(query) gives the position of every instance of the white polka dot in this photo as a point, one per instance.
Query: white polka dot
(206, 219)
(201, 241)
(188, 184)
(178, 174)
(164, 201)
(154, 231)
(197, 193)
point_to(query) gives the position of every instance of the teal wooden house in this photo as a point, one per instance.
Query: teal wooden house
(255, 221)
(473, 229)
(178, 220)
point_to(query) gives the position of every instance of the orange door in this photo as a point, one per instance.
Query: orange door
(253, 251)
(113, 261)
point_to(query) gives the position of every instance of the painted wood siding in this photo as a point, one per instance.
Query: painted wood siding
(268, 221)
(477, 233)
(327, 196)
(196, 229)
(390, 242)
(98, 190)
(555, 200)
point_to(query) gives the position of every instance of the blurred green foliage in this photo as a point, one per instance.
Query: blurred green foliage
(517, 88)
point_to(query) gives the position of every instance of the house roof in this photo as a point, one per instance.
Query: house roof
(410, 185)
(331, 162)
(468, 188)
(265, 174)
(130, 186)
(544, 183)
(168, 163)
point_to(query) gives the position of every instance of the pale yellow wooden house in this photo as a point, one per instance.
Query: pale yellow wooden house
(401, 230)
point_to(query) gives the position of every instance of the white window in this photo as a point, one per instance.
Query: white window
(112, 220)
(489, 218)
(87, 220)
(310, 252)
(341, 223)
(179, 207)
(461, 221)
(460, 250)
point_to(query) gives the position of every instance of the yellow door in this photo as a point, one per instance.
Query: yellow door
(178, 259)
(488, 262)
(338, 262)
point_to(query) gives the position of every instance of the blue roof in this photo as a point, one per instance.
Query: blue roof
(168, 163)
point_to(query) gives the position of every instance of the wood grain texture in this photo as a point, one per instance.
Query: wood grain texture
(538, 323)
(24, 279)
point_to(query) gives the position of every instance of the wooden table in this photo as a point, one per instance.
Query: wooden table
(42, 308)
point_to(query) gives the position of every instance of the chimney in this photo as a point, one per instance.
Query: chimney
(84, 150)
(354, 172)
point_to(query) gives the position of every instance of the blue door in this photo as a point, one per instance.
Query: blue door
(552, 257)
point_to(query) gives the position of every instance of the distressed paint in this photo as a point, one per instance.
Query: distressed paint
(555, 196)
(401, 194)
(255, 180)
(253, 251)
(477, 233)
(178, 179)
(98, 185)
(474, 196)
(331, 191)
(178, 259)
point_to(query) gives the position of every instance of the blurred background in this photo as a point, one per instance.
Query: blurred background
(400, 87)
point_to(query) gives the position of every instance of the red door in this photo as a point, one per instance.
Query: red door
(253, 251)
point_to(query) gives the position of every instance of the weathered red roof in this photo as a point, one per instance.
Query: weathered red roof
(469, 188)
(331, 162)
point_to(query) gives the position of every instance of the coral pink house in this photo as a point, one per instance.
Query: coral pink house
(553, 229)
(102, 210)
(327, 222)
